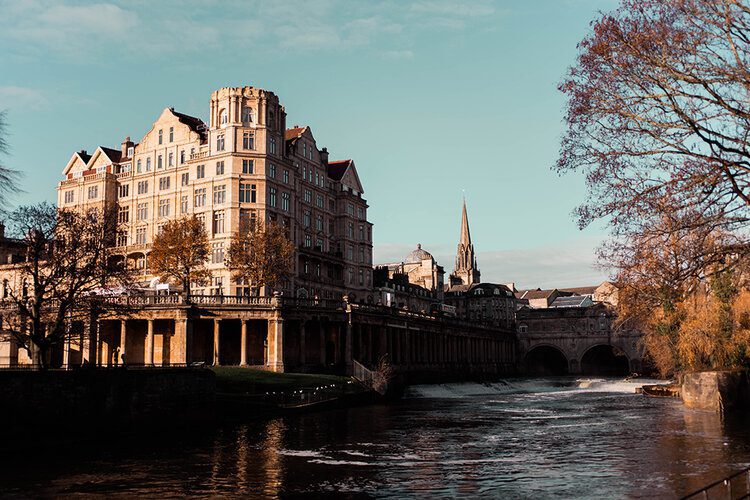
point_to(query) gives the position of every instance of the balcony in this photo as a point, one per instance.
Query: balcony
(199, 155)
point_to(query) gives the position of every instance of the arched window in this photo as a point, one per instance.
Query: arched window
(247, 115)
(223, 119)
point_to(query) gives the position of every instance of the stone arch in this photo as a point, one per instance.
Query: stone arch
(605, 359)
(545, 359)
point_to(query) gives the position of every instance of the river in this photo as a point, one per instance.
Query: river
(583, 438)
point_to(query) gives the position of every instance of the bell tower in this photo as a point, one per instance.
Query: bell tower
(465, 272)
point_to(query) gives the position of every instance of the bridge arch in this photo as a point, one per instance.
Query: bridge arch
(605, 359)
(546, 359)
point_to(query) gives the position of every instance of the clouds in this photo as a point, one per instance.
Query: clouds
(13, 97)
(131, 30)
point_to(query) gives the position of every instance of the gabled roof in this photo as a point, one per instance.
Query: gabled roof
(83, 155)
(535, 294)
(581, 290)
(291, 134)
(195, 124)
(113, 154)
(572, 301)
(337, 169)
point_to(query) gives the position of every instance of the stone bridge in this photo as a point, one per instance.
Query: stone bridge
(576, 340)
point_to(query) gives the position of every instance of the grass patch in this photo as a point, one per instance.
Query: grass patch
(235, 379)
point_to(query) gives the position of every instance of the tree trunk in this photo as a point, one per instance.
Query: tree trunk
(37, 356)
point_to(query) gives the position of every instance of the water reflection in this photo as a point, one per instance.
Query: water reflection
(540, 441)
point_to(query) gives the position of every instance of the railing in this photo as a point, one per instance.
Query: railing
(231, 300)
(735, 486)
(363, 374)
(198, 155)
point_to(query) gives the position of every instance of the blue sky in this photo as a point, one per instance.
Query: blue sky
(432, 99)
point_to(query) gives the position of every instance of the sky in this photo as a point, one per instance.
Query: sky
(434, 100)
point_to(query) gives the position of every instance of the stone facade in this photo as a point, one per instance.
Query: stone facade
(243, 165)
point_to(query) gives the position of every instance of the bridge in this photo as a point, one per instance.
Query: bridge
(576, 340)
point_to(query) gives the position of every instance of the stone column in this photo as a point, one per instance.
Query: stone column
(243, 343)
(302, 348)
(93, 341)
(149, 358)
(66, 345)
(276, 345)
(123, 339)
(181, 342)
(217, 340)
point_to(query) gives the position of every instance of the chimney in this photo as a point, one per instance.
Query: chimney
(83, 152)
(324, 155)
(127, 143)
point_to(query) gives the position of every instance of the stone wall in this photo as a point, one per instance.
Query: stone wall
(720, 391)
(105, 396)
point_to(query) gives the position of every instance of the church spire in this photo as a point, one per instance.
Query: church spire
(465, 272)
(465, 235)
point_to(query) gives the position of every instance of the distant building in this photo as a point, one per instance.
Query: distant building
(488, 303)
(416, 283)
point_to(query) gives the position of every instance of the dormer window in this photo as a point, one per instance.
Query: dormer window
(223, 118)
(130, 151)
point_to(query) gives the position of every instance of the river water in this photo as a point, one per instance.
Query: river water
(583, 438)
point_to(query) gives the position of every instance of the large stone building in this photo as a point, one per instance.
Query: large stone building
(416, 283)
(242, 165)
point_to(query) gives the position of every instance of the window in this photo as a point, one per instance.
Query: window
(361, 277)
(200, 197)
(161, 136)
(223, 118)
(271, 170)
(185, 179)
(163, 183)
(143, 187)
(350, 252)
(286, 176)
(361, 255)
(201, 218)
(350, 209)
(218, 222)
(138, 167)
(272, 146)
(122, 239)
(360, 213)
(131, 150)
(350, 230)
(248, 166)
(219, 168)
(308, 196)
(308, 241)
(272, 197)
(220, 194)
(217, 253)
(218, 285)
(159, 164)
(319, 201)
(93, 192)
(164, 208)
(123, 191)
(361, 232)
(351, 276)
(248, 140)
(170, 160)
(247, 193)
(182, 157)
(306, 217)
(142, 211)
(183, 204)
(69, 196)
(171, 134)
(285, 201)
(304, 172)
(200, 171)
(247, 115)
(123, 215)
(140, 238)
(247, 219)
(319, 223)
(148, 164)
(220, 142)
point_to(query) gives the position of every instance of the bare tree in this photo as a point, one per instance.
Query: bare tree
(261, 255)
(8, 177)
(180, 251)
(67, 265)
(658, 107)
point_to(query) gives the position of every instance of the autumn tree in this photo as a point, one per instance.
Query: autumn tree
(261, 255)
(179, 253)
(67, 265)
(657, 105)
